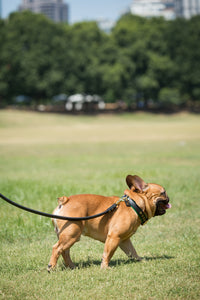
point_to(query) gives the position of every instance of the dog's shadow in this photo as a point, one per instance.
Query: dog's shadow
(113, 263)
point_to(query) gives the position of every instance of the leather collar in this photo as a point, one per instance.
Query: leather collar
(131, 203)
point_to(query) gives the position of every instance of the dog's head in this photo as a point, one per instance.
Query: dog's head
(154, 194)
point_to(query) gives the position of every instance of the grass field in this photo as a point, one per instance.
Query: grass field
(45, 156)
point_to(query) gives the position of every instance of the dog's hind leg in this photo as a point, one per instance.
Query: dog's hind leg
(128, 248)
(57, 250)
(67, 259)
(70, 235)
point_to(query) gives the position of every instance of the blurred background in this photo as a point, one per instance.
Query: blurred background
(68, 56)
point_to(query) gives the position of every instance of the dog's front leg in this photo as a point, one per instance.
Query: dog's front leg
(128, 248)
(111, 244)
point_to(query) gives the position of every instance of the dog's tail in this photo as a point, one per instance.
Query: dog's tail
(63, 200)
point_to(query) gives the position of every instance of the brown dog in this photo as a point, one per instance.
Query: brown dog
(115, 228)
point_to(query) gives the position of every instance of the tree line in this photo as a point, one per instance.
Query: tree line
(139, 61)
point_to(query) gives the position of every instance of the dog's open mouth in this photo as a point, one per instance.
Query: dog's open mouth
(162, 206)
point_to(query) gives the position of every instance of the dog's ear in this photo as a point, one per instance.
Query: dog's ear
(136, 183)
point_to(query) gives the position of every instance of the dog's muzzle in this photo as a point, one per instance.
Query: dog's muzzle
(161, 206)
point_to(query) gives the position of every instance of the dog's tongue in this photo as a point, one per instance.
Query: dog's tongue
(168, 206)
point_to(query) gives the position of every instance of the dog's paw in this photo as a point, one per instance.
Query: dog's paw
(138, 258)
(104, 266)
(49, 268)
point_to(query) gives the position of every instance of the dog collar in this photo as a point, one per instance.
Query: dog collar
(131, 203)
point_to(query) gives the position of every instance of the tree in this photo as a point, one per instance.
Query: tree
(140, 59)
(169, 98)
(35, 55)
(183, 46)
(3, 67)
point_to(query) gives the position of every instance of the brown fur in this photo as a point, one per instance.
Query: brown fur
(115, 228)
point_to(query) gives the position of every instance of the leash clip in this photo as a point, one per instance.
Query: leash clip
(118, 201)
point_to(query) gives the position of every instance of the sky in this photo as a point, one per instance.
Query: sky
(81, 10)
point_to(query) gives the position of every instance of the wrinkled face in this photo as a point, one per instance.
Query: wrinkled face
(158, 201)
(159, 198)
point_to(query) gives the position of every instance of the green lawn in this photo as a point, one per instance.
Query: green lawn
(44, 156)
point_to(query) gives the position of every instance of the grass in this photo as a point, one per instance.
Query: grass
(45, 156)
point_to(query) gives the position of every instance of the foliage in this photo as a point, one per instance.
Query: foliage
(169, 97)
(140, 56)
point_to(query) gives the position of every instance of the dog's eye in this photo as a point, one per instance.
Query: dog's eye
(163, 194)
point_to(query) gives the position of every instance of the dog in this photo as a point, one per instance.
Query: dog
(114, 228)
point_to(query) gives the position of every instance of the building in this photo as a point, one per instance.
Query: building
(187, 8)
(56, 10)
(0, 10)
(153, 8)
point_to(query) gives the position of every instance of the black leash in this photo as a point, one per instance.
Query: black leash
(110, 209)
